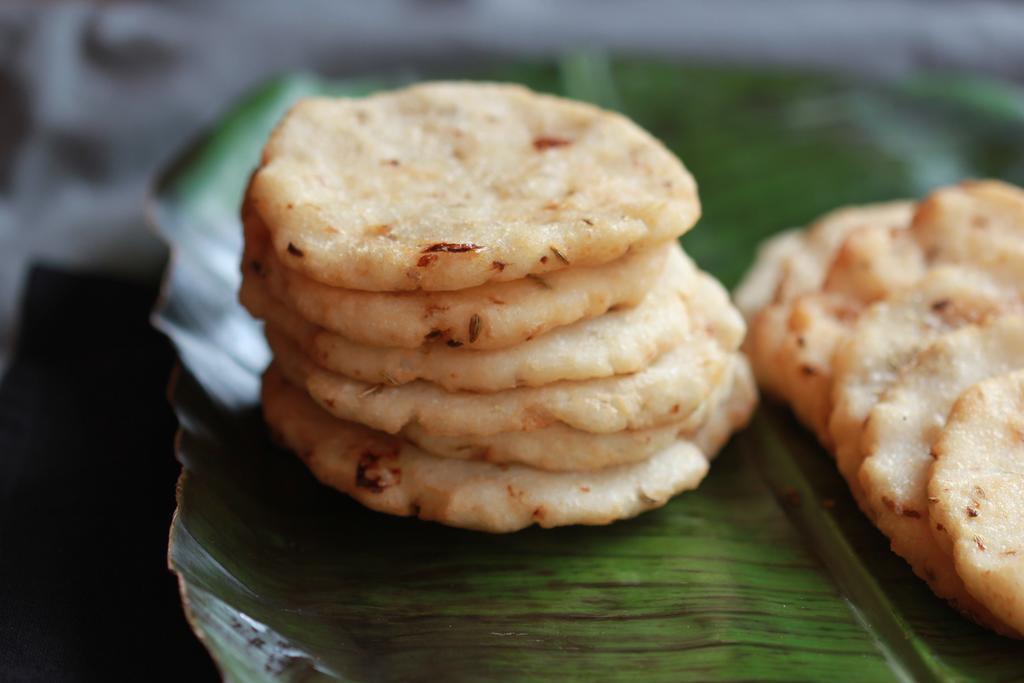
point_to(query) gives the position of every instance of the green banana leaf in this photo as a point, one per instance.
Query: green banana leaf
(766, 572)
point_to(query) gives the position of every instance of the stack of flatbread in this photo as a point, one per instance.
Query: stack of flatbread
(479, 312)
(895, 332)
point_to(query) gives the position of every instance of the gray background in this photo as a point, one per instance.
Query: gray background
(94, 98)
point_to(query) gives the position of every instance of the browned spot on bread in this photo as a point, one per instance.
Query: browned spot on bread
(426, 260)
(451, 248)
(498, 265)
(295, 251)
(544, 143)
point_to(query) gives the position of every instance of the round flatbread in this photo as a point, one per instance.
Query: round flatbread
(767, 331)
(794, 354)
(806, 270)
(874, 262)
(730, 414)
(666, 391)
(899, 434)
(760, 284)
(389, 475)
(492, 316)
(619, 342)
(888, 336)
(446, 186)
(976, 222)
(792, 340)
(560, 448)
(976, 493)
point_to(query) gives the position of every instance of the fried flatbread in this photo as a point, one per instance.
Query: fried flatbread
(976, 493)
(560, 448)
(491, 316)
(387, 474)
(666, 391)
(619, 342)
(446, 186)
(899, 435)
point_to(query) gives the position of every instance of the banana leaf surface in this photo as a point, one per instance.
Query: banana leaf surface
(767, 572)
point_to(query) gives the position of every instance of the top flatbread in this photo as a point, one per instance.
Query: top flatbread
(446, 186)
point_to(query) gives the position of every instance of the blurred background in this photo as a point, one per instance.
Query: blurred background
(95, 98)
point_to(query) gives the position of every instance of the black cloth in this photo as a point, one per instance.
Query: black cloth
(87, 481)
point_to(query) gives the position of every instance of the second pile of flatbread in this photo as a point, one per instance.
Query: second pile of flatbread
(479, 311)
(896, 333)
